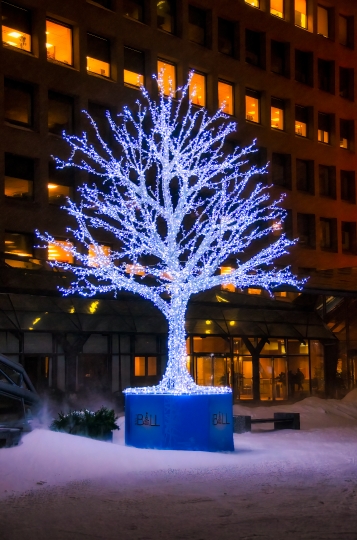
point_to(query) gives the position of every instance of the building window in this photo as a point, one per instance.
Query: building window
(18, 244)
(328, 234)
(346, 133)
(98, 55)
(168, 73)
(323, 21)
(281, 170)
(166, 15)
(301, 120)
(226, 37)
(346, 88)
(304, 67)
(197, 89)
(327, 180)
(306, 230)
(254, 3)
(60, 184)
(348, 186)
(59, 251)
(197, 25)
(59, 42)
(134, 9)
(99, 114)
(19, 176)
(277, 8)
(346, 31)
(254, 48)
(305, 176)
(16, 26)
(348, 236)
(225, 97)
(324, 128)
(145, 366)
(133, 67)
(301, 13)
(326, 75)
(99, 250)
(252, 106)
(60, 113)
(277, 113)
(279, 58)
(18, 103)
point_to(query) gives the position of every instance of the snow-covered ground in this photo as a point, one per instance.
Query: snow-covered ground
(285, 484)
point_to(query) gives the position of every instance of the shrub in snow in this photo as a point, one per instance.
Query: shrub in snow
(96, 425)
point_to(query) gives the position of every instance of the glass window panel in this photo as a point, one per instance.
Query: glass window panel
(139, 366)
(58, 194)
(322, 21)
(300, 128)
(317, 368)
(19, 176)
(18, 244)
(343, 30)
(16, 187)
(300, 13)
(197, 25)
(59, 42)
(225, 97)
(60, 113)
(226, 37)
(98, 55)
(254, 3)
(277, 8)
(100, 250)
(197, 90)
(152, 366)
(133, 67)
(17, 103)
(16, 26)
(252, 112)
(244, 373)
(275, 346)
(168, 76)
(58, 251)
(265, 377)
(134, 9)
(298, 376)
(165, 10)
(229, 286)
(277, 115)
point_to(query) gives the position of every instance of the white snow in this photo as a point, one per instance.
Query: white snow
(328, 437)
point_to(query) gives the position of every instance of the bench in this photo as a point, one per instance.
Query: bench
(242, 424)
(9, 437)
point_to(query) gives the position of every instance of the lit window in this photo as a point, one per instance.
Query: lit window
(145, 366)
(139, 366)
(323, 133)
(59, 186)
(254, 291)
(277, 114)
(16, 28)
(165, 10)
(58, 194)
(17, 103)
(18, 245)
(228, 286)
(300, 13)
(167, 72)
(346, 133)
(301, 117)
(19, 175)
(133, 67)
(152, 366)
(59, 251)
(322, 21)
(277, 8)
(225, 97)
(98, 55)
(99, 251)
(197, 90)
(59, 42)
(134, 9)
(254, 3)
(252, 100)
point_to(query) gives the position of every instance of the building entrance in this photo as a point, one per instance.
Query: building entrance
(212, 370)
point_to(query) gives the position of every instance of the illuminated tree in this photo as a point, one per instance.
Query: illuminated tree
(178, 206)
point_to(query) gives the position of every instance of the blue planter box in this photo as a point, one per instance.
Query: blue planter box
(169, 422)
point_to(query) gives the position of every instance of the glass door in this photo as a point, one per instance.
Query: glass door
(243, 377)
(280, 386)
(265, 376)
(211, 370)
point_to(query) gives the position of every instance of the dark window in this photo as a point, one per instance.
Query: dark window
(305, 176)
(60, 113)
(281, 170)
(16, 26)
(226, 37)
(259, 160)
(288, 224)
(134, 9)
(347, 129)
(301, 121)
(166, 15)
(348, 186)
(328, 234)
(254, 48)
(326, 75)
(324, 128)
(98, 55)
(348, 236)
(346, 88)
(99, 115)
(134, 64)
(306, 230)
(197, 25)
(323, 21)
(327, 181)
(60, 184)
(346, 31)
(18, 102)
(304, 67)
(18, 244)
(19, 176)
(280, 58)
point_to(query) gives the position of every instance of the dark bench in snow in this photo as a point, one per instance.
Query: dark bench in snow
(9, 436)
(242, 424)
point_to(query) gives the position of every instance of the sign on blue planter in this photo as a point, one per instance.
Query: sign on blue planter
(184, 422)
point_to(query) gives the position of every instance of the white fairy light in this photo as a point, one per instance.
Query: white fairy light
(175, 196)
